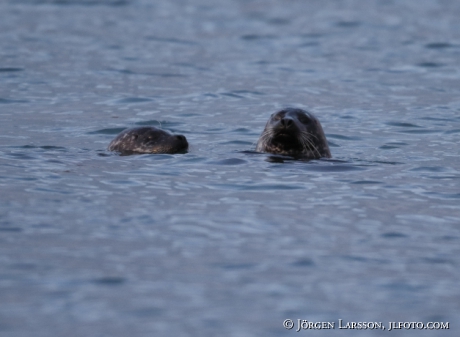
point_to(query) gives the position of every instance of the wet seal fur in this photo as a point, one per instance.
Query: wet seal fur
(296, 133)
(148, 140)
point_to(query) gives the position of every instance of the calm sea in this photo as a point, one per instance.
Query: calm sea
(221, 241)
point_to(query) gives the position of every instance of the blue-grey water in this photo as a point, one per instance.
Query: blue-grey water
(221, 241)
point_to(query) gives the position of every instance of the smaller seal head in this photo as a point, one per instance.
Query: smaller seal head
(294, 132)
(148, 140)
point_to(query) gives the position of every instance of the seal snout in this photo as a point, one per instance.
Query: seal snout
(286, 127)
(286, 122)
(182, 140)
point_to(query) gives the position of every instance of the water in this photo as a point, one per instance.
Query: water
(222, 241)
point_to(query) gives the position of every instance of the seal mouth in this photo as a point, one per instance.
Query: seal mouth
(284, 135)
(287, 140)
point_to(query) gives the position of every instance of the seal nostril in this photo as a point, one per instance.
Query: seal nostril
(286, 122)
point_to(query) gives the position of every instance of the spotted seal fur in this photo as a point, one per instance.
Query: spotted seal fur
(148, 140)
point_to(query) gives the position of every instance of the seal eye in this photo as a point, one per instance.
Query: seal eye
(304, 119)
(135, 136)
(277, 117)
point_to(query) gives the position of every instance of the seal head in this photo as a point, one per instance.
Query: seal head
(294, 132)
(148, 140)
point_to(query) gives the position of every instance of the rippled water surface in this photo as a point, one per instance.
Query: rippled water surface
(222, 241)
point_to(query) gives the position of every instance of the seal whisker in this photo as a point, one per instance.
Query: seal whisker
(314, 147)
(309, 134)
(311, 145)
(308, 144)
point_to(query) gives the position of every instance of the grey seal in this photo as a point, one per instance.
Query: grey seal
(296, 133)
(148, 140)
